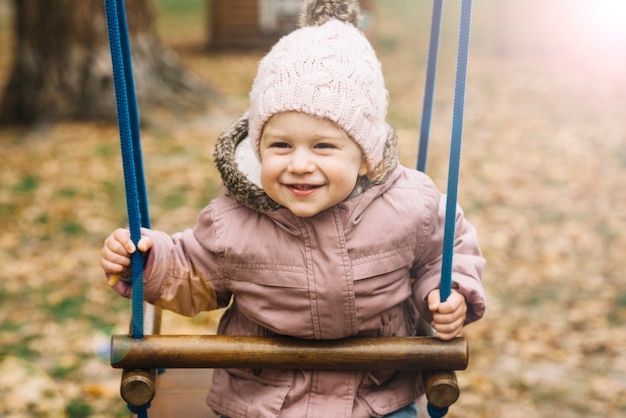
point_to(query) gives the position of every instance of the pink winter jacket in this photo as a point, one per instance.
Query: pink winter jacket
(357, 269)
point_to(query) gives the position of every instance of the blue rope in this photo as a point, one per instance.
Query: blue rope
(128, 121)
(140, 411)
(133, 109)
(130, 143)
(455, 149)
(436, 411)
(431, 70)
(445, 287)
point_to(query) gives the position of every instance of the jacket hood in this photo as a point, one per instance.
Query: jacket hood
(240, 168)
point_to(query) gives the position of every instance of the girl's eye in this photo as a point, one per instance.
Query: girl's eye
(279, 145)
(324, 145)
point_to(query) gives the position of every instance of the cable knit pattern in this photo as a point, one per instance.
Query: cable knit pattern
(330, 71)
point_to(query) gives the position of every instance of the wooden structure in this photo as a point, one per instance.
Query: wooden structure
(250, 24)
(188, 360)
(225, 351)
(255, 24)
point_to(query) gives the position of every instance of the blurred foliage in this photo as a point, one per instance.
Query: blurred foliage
(182, 19)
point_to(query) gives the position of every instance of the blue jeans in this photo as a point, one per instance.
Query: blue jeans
(409, 411)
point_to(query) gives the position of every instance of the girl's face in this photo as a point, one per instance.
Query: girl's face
(308, 164)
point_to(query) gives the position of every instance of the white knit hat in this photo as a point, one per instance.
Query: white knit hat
(330, 71)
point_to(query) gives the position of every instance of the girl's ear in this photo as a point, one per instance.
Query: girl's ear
(363, 169)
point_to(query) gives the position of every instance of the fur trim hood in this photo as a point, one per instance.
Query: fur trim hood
(240, 168)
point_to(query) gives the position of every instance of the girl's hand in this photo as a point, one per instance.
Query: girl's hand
(116, 259)
(448, 316)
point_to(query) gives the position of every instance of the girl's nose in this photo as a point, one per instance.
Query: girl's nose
(301, 162)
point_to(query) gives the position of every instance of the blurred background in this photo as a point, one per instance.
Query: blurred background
(542, 177)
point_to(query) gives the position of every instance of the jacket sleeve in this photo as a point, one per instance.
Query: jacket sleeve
(467, 266)
(182, 273)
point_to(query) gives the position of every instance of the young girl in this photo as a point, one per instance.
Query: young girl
(321, 234)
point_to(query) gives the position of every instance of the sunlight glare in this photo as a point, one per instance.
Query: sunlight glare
(607, 18)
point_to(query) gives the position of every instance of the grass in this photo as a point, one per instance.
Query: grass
(68, 308)
(175, 9)
(26, 184)
(77, 408)
(181, 19)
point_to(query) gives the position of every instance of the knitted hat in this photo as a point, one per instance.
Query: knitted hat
(326, 69)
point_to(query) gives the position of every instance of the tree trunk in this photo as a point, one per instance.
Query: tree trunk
(62, 64)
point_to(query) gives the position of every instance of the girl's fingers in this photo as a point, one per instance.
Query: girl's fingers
(144, 244)
(449, 330)
(449, 324)
(444, 316)
(114, 262)
(120, 241)
(434, 300)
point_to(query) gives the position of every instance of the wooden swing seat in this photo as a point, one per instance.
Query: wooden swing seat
(187, 361)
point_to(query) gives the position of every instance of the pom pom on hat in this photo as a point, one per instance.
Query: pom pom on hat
(326, 69)
(318, 12)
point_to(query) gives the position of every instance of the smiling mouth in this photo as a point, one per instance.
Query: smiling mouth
(303, 187)
(302, 190)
